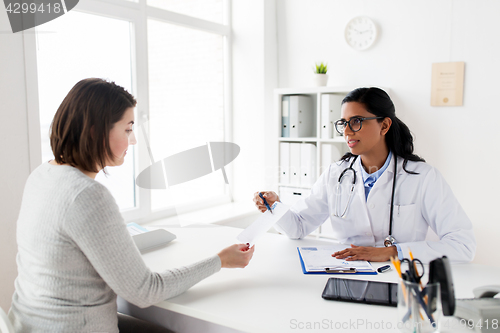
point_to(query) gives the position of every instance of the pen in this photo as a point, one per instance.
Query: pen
(396, 265)
(265, 202)
(420, 282)
(411, 254)
(384, 269)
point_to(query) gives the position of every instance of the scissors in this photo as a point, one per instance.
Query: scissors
(415, 270)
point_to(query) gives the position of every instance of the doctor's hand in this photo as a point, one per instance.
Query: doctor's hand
(236, 256)
(367, 253)
(270, 196)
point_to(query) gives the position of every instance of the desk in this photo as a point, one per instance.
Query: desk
(272, 294)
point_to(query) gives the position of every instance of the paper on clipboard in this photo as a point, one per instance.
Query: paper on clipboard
(260, 226)
(317, 258)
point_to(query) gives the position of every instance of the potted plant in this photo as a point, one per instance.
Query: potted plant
(320, 76)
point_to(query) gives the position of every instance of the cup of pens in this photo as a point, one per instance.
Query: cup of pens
(419, 304)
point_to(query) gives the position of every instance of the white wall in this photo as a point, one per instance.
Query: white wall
(254, 79)
(462, 142)
(14, 167)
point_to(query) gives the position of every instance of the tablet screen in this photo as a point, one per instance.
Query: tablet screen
(369, 292)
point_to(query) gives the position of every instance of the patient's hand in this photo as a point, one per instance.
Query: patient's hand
(236, 256)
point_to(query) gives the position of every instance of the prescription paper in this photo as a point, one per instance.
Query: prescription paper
(260, 226)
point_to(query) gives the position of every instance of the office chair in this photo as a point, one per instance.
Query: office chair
(5, 325)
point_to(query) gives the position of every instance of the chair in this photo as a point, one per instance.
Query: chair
(5, 325)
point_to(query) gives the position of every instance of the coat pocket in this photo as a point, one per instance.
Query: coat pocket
(404, 228)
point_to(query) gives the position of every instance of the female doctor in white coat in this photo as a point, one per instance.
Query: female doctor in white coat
(395, 195)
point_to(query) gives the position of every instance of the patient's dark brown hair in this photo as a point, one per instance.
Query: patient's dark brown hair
(79, 133)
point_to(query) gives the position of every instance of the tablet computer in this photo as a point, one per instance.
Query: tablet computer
(360, 291)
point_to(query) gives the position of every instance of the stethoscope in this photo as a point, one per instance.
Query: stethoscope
(389, 240)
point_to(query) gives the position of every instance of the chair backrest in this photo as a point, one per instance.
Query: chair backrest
(5, 325)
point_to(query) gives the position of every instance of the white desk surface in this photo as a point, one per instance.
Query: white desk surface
(272, 294)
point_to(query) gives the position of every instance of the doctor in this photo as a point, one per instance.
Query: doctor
(380, 197)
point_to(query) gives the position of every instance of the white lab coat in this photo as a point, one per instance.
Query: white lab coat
(420, 201)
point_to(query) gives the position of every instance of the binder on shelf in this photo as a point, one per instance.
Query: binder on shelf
(301, 116)
(295, 164)
(285, 116)
(330, 153)
(338, 151)
(290, 195)
(326, 156)
(308, 164)
(326, 118)
(330, 113)
(284, 162)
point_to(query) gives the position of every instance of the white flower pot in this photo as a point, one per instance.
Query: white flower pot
(320, 79)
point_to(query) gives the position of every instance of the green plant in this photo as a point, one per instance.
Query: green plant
(321, 68)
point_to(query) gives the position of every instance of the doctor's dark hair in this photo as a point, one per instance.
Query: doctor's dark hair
(79, 133)
(399, 140)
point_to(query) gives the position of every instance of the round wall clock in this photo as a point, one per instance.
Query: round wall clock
(360, 33)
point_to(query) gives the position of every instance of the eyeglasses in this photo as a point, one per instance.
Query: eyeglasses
(354, 124)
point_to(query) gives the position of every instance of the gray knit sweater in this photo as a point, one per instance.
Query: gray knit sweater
(75, 255)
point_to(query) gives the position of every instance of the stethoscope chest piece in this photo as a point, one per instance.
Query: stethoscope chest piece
(389, 241)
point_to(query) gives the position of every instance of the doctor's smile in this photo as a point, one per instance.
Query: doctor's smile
(352, 143)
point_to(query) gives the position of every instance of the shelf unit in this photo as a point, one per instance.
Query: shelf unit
(316, 96)
(336, 143)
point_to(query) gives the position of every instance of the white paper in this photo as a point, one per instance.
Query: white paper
(260, 226)
(317, 258)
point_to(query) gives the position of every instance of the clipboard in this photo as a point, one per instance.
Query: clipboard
(304, 270)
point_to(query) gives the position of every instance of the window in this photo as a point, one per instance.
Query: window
(186, 90)
(210, 10)
(98, 47)
(179, 82)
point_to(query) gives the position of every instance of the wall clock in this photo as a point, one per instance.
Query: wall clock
(360, 33)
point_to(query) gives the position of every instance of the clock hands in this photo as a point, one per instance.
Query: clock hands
(362, 32)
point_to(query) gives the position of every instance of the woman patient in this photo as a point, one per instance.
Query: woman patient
(75, 253)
